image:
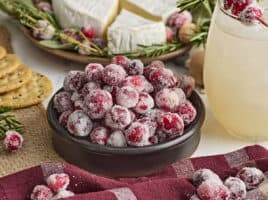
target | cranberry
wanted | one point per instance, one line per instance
(133, 116)
(79, 124)
(162, 78)
(113, 90)
(137, 82)
(154, 65)
(187, 112)
(122, 61)
(88, 31)
(135, 67)
(211, 190)
(88, 87)
(153, 113)
(171, 123)
(251, 176)
(187, 84)
(41, 192)
(240, 5)
(74, 81)
(250, 15)
(114, 74)
(118, 117)
(99, 135)
(62, 102)
(152, 124)
(58, 182)
(117, 139)
(127, 97)
(94, 72)
(63, 119)
(97, 103)
(76, 96)
(148, 87)
(144, 104)
(237, 188)
(170, 34)
(12, 141)
(138, 134)
(168, 99)
(63, 194)
(177, 20)
(202, 175)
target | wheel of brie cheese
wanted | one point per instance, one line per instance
(126, 24)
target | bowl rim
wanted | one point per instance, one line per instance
(189, 132)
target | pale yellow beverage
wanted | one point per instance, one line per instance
(236, 76)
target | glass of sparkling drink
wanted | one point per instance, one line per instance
(236, 68)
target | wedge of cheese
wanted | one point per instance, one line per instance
(156, 10)
(130, 30)
(82, 13)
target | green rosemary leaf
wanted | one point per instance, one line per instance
(54, 44)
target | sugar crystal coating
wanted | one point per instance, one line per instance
(114, 74)
(122, 61)
(135, 67)
(88, 87)
(127, 97)
(117, 139)
(137, 82)
(187, 112)
(12, 141)
(63, 119)
(153, 113)
(211, 190)
(138, 135)
(99, 135)
(145, 103)
(41, 192)
(74, 81)
(93, 72)
(236, 187)
(76, 96)
(62, 102)
(154, 65)
(58, 182)
(162, 78)
(152, 124)
(79, 124)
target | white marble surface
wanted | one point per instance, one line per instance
(214, 138)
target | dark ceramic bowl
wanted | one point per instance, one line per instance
(128, 161)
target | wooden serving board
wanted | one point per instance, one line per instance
(92, 59)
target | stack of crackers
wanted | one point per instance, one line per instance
(19, 86)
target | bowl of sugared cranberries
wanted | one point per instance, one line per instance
(125, 119)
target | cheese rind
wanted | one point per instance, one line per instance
(129, 31)
(82, 13)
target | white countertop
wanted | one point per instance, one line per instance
(214, 140)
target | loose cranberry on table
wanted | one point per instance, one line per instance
(79, 124)
(117, 139)
(113, 75)
(127, 97)
(138, 135)
(12, 141)
(236, 187)
(63, 102)
(41, 192)
(145, 103)
(58, 182)
(203, 175)
(74, 81)
(93, 72)
(212, 190)
(99, 135)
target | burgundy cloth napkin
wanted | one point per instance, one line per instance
(171, 183)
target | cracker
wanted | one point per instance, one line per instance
(3, 52)
(9, 64)
(33, 92)
(15, 79)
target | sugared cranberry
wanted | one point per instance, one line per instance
(152, 124)
(250, 15)
(117, 139)
(154, 139)
(203, 175)
(12, 141)
(112, 90)
(170, 34)
(153, 113)
(144, 104)
(74, 81)
(114, 74)
(177, 20)
(135, 67)
(99, 135)
(240, 5)
(118, 117)
(251, 176)
(62, 102)
(97, 103)
(154, 65)
(237, 188)
(187, 112)
(88, 87)
(133, 116)
(195, 197)
(79, 124)
(41, 192)
(162, 78)
(122, 61)
(211, 190)
(93, 72)
(162, 136)
(127, 97)
(88, 31)
(171, 123)
(187, 84)
(137, 82)
(58, 182)
(63, 119)
(168, 99)
(138, 134)
(76, 96)
(63, 194)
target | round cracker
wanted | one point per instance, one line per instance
(8, 64)
(15, 79)
(31, 93)
(3, 52)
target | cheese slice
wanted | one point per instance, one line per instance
(156, 10)
(130, 30)
(82, 13)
